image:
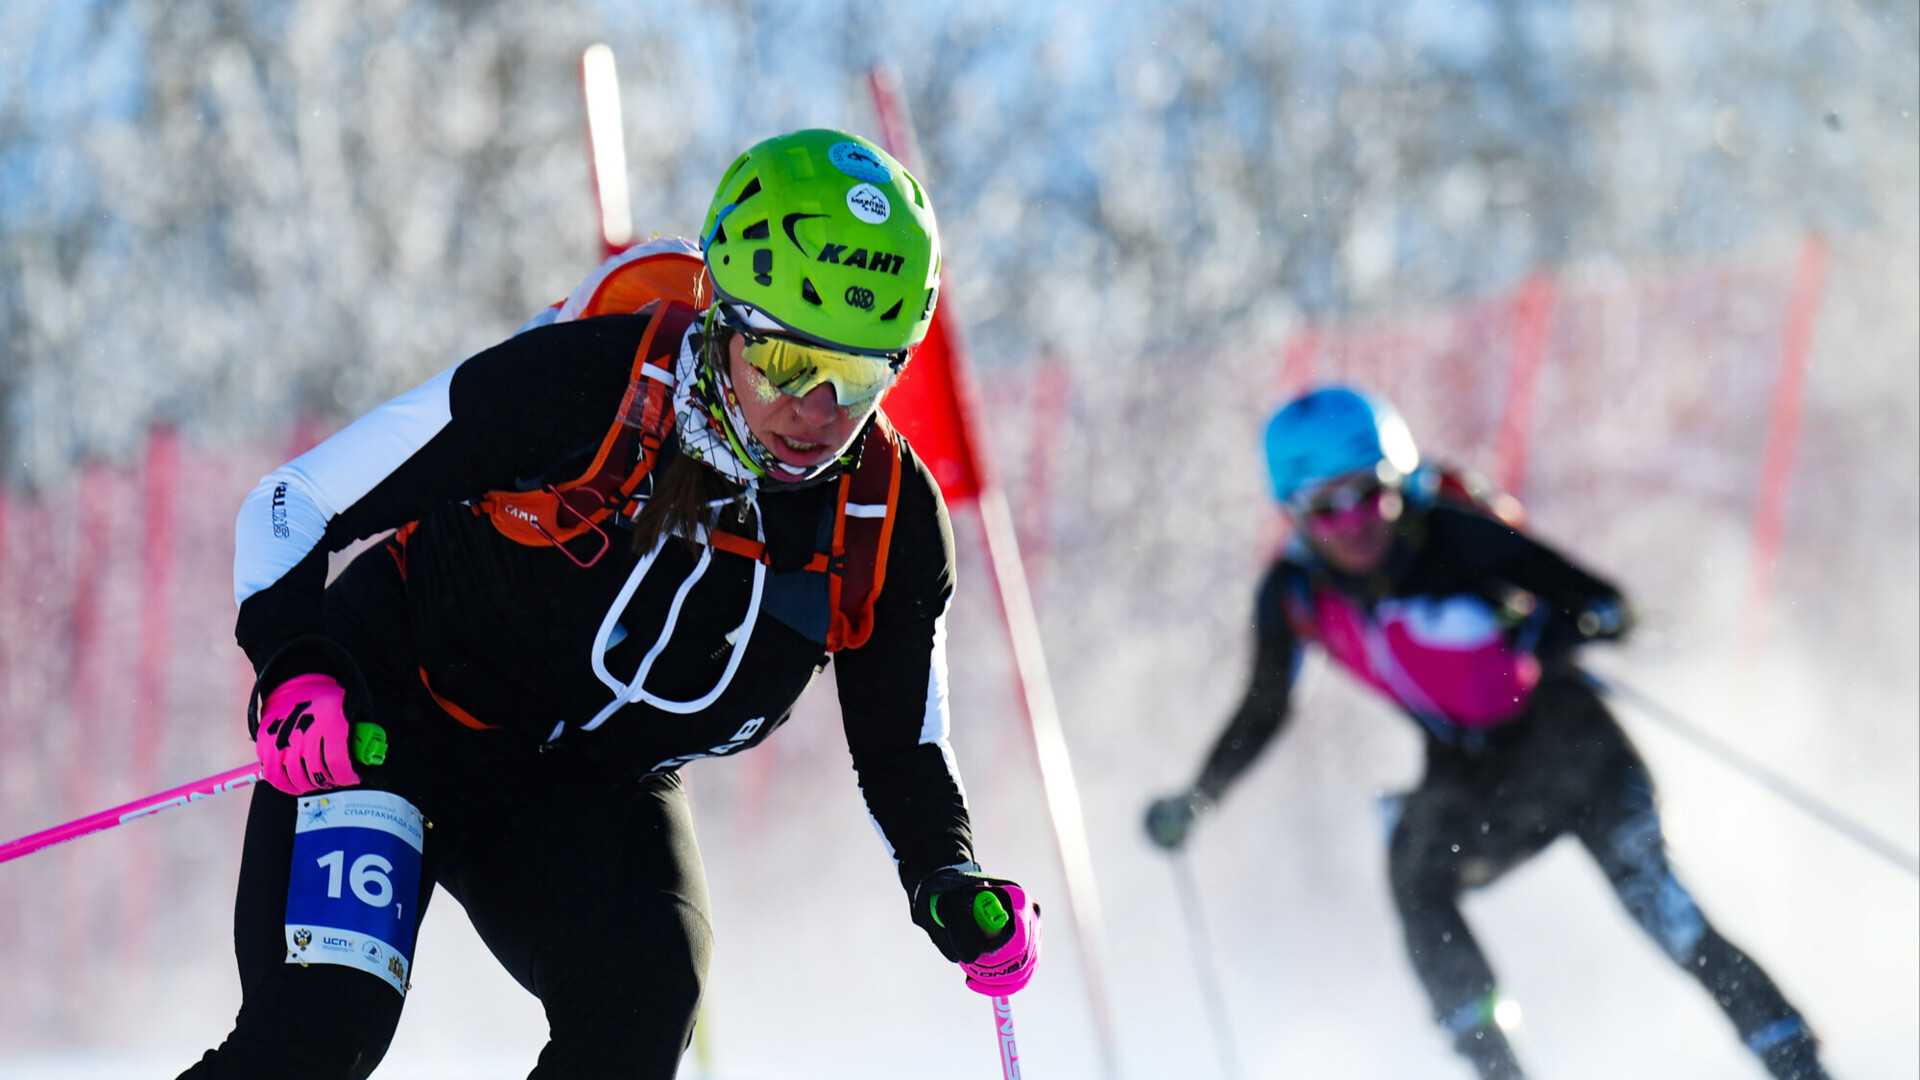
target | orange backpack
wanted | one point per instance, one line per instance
(670, 276)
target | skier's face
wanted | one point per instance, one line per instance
(1350, 521)
(804, 432)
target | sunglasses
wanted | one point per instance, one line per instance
(796, 368)
(1338, 498)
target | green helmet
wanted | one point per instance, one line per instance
(829, 236)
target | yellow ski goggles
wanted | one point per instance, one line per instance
(796, 367)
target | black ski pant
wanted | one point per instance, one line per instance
(1565, 767)
(589, 891)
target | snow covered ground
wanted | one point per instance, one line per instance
(1292, 880)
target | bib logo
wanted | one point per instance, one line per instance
(869, 204)
(302, 938)
(280, 529)
(398, 969)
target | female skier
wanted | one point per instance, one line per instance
(622, 542)
(1467, 624)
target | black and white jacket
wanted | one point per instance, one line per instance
(524, 639)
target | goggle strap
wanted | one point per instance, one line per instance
(733, 318)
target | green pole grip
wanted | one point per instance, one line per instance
(369, 744)
(988, 913)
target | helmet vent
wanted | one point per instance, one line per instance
(763, 266)
(919, 197)
(748, 192)
(755, 231)
(807, 292)
(893, 312)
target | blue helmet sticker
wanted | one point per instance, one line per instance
(859, 162)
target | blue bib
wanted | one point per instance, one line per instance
(354, 889)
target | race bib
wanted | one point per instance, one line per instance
(353, 891)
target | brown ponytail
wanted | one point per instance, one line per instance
(682, 490)
(682, 487)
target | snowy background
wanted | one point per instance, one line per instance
(227, 227)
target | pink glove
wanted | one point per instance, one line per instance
(304, 740)
(1008, 967)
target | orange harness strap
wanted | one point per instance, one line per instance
(862, 533)
(558, 513)
(466, 718)
(734, 544)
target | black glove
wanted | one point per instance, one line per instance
(1554, 639)
(943, 907)
(1604, 620)
(1170, 818)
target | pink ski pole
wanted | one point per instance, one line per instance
(369, 748)
(1003, 1031)
(206, 788)
(990, 916)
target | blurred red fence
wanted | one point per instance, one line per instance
(118, 675)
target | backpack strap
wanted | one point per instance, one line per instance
(869, 498)
(856, 531)
(396, 546)
(735, 544)
(557, 514)
(466, 719)
(1444, 482)
(1293, 596)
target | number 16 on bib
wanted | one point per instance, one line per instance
(352, 893)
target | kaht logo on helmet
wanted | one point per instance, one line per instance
(880, 262)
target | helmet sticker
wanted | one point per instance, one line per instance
(869, 204)
(858, 162)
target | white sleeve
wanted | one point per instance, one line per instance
(935, 725)
(285, 516)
